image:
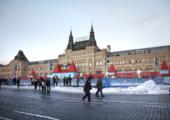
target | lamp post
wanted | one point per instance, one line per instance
(49, 68)
(106, 61)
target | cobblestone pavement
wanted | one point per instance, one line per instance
(20, 104)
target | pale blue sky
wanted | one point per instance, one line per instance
(41, 27)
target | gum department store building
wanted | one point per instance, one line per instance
(89, 58)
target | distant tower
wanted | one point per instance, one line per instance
(70, 42)
(108, 48)
(19, 65)
(92, 41)
(20, 56)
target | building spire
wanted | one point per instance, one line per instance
(92, 40)
(92, 31)
(71, 35)
(70, 42)
(71, 31)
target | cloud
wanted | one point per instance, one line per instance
(150, 20)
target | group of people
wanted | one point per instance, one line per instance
(87, 88)
(45, 85)
(55, 80)
(67, 81)
(9, 81)
(42, 83)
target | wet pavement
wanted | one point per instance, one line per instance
(22, 104)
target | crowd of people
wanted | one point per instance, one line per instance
(9, 81)
(44, 84)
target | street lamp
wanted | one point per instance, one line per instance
(106, 61)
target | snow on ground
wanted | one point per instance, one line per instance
(148, 87)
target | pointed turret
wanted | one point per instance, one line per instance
(70, 42)
(92, 40)
(20, 56)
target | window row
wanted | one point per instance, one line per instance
(80, 55)
(88, 63)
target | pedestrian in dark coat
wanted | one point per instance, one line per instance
(77, 81)
(69, 80)
(18, 82)
(57, 80)
(35, 83)
(40, 83)
(0, 82)
(64, 81)
(54, 81)
(99, 87)
(48, 85)
(87, 88)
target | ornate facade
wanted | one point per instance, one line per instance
(85, 54)
(89, 58)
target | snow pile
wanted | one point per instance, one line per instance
(148, 87)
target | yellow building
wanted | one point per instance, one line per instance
(89, 58)
(86, 55)
(21, 67)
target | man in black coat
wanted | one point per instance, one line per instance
(48, 84)
(0, 82)
(87, 88)
(18, 82)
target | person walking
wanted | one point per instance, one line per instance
(64, 81)
(40, 83)
(69, 80)
(54, 81)
(43, 86)
(77, 81)
(35, 83)
(99, 87)
(57, 80)
(18, 82)
(87, 88)
(0, 82)
(48, 84)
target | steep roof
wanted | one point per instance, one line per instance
(80, 45)
(20, 56)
